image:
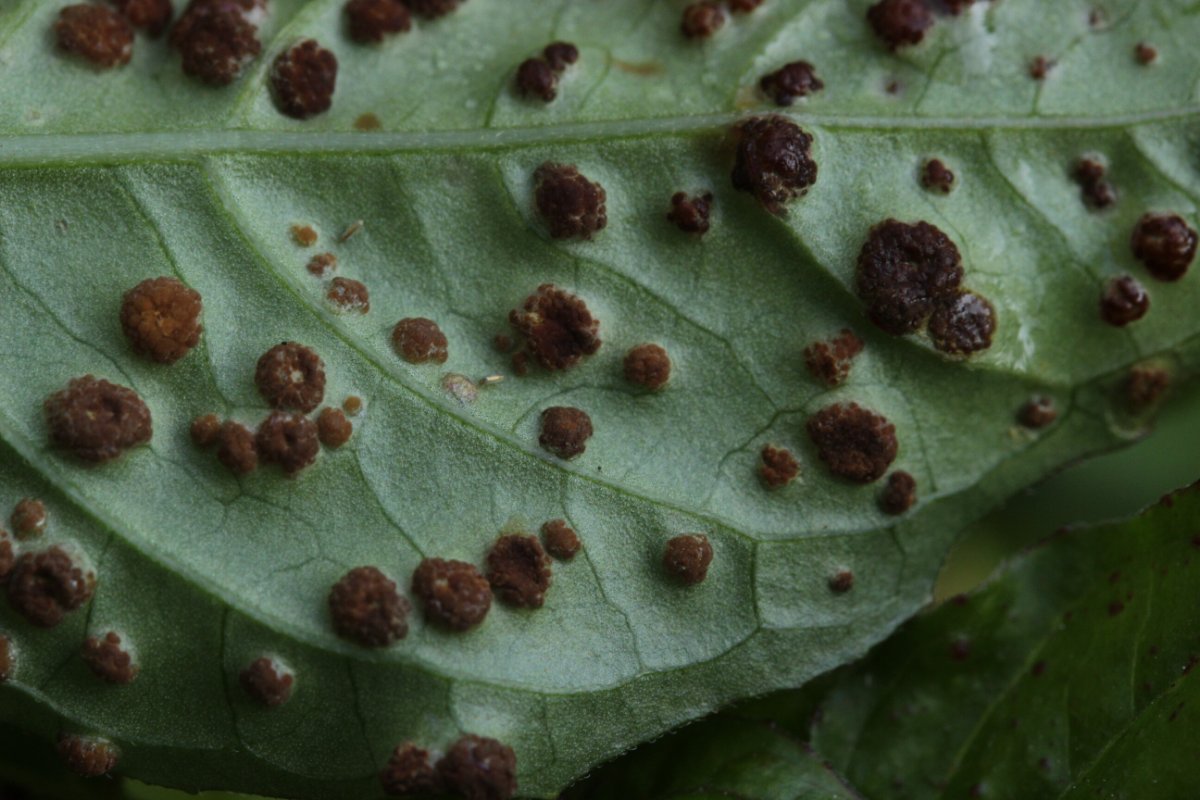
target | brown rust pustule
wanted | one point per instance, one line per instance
(558, 326)
(701, 20)
(571, 205)
(29, 518)
(97, 421)
(856, 444)
(479, 768)
(290, 440)
(109, 660)
(518, 570)
(565, 431)
(303, 80)
(773, 161)
(900, 23)
(237, 449)
(778, 468)
(1165, 244)
(408, 772)
(899, 494)
(161, 319)
(560, 539)
(419, 341)
(432, 9)
(536, 78)
(904, 271)
(367, 610)
(454, 594)
(267, 682)
(150, 16)
(45, 586)
(691, 214)
(687, 557)
(95, 33)
(1038, 412)
(1123, 301)
(333, 428)
(649, 366)
(216, 41)
(290, 375)
(791, 82)
(937, 177)
(372, 21)
(830, 361)
(88, 756)
(963, 325)
(346, 294)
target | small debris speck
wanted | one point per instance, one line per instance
(95, 33)
(1039, 412)
(691, 214)
(304, 235)
(571, 205)
(518, 570)
(565, 431)
(45, 586)
(899, 23)
(773, 161)
(936, 176)
(841, 582)
(96, 420)
(559, 328)
(289, 440)
(236, 448)
(561, 540)
(1124, 301)
(454, 594)
(367, 609)
(687, 557)
(88, 756)
(701, 20)
(367, 122)
(779, 467)
(791, 82)
(829, 362)
(899, 494)
(348, 295)
(204, 430)
(408, 772)
(29, 518)
(479, 768)
(371, 21)
(290, 375)
(161, 319)
(649, 366)
(109, 660)
(418, 341)
(1165, 244)
(351, 230)
(856, 444)
(267, 682)
(303, 80)
(333, 428)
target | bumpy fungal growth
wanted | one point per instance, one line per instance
(690, 214)
(904, 271)
(559, 328)
(649, 366)
(333, 429)
(963, 325)
(95, 33)
(454, 594)
(841, 582)
(45, 586)
(6, 659)
(367, 610)
(560, 539)
(237, 449)
(371, 21)
(216, 40)
(303, 79)
(560, 55)
(1146, 54)
(290, 375)
(408, 772)
(267, 682)
(519, 570)
(1145, 387)
(29, 518)
(304, 235)
(151, 16)
(1039, 412)
(830, 361)
(899, 494)
(773, 161)
(205, 429)
(348, 295)
(855, 444)
(936, 176)
(1096, 191)
(96, 420)
(432, 9)
(571, 205)
(536, 78)
(1124, 301)
(701, 20)
(565, 431)
(900, 23)
(790, 82)
(161, 319)
(109, 660)
(687, 557)
(1165, 244)
(479, 768)
(418, 341)
(779, 467)
(322, 264)
(289, 440)
(88, 756)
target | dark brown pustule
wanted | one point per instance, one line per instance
(937, 177)
(109, 660)
(204, 430)
(778, 468)
(267, 682)
(8, 556)
(1145, 54)
(303, 80)
(237, 449)
(904, 271)
(479, 768)
(420, 341)
(29, 518)
(372, 21)
(559, 329)
(791, 82)
(560, 55)
(97, 421)
(900, 23)
(518, 570)
(290, 375)
(95, 33)
(1097, 193)
(47, 585)
(899, 494)
(1145, 386)
(571, 205)
(409, 772)
(289, 440)
(322, 264)
(454, 594)
(433, 9)
(855, 444)
(1040, 67)
(1123, 301)
(649, 366)
(1039, 412)
(536, 78)
(691, 214)
(687, 557)
(701, 20)
(830, 361)
(565, 431)
(744, 6)
(7, 659)
(347, 294)
(1165, 244)
(773, 161)
(88, 756)
(963, 325)
(333, 429)
(161, 319)
(367, 610)
(216, 41)
(560, 539)
(841, 582)
(149, 16)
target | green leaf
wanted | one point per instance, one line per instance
(110, 178)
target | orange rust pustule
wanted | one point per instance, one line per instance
(409, 772)
(95, 33)
(6, 659)
(559, 329)
(151, 16)
(88, 756)
(841, 582)
(778, 468)
(367, 609)
(963, 325)
(519, 570)
(215, 41)
(479, 768)
(829, 362)
(856, 444)
(1123, 301)
(333, 428)
(108, 660)
(1145, 386)
(791, 82)
(304, 235)
(290, 375)
(29, 518)
(536, 78)
(904, 271)
(205, 429)
(45, 586)
(347, 294)
(97, 421)
(372, 21)
(454, 594)
(303, 80)
(419, 341)
(266, 682)
(691, 214)
(560, 539)
(571, 205)
(560, 55)
(161, 319)
(432, 9)
(773, 161)
(322, 264)
(687, 557)
(899, 494)
(1038, 412)
(237, 449)
(900, 23)
(1165, 244)
(702, 20)
(289, 440)
(648, 366)
(1097, 193)
(565, 431)
(937, 177)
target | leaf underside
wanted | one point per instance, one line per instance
(108, 179)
